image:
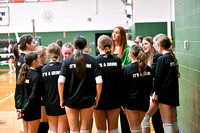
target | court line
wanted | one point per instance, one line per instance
(6, 97)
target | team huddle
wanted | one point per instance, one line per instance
(65, 94)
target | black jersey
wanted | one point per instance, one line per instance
(41, 84)
(80, 93)
(50, 74)
(166, 81)
(17, 90)
(19, 64)
(30, 96)
(111, 74)
(153, 66)
(138, 88)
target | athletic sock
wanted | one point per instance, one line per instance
(101, 131)
(52, 131)
(113, 131)
(168, 127)
(84, 131)
(135, 131)
(74, 131)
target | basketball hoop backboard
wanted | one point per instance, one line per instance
(4, 16)
(4, 1)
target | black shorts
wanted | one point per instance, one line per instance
(11, 57)
(53, 110)
(32, 116)
(137, 106)
(168, 98)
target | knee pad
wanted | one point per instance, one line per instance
(168, 127)
(84, 131)
(101, 131)
(175, 126)
(135, 131)
(113, 131)
(52, 131)
(145, 122)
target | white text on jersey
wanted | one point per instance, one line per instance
(108, 64)
(135, 75)
(50, 73)
(74, 66)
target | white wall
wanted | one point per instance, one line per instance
(153, 11)
(71, 15)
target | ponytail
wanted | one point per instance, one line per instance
(80, 62)
(29, 58)
(142, 62)
(54, 57)
(141, 57)
(108, 51)
(79, 59)
(22, 73)
(176, 62)
(16, 54)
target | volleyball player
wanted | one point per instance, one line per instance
(109, 105)
(138, 84)
(43, 127)
(11, 59)
(57, 117)
(25, 44)
(153, 111)
(166, 85)
(67, 51)
(30, 96)
(83, 82)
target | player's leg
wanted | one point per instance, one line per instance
(112, 116)
(63, 125)
(100, 120)
(73, 119)
(85, 119)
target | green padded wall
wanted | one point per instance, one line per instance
(148, 29)
(49, 37)
(187, 27)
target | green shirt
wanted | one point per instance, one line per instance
(125, 60)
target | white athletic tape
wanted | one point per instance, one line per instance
(145, 122)
(98, 79)
(61, 79)
(22, 128)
